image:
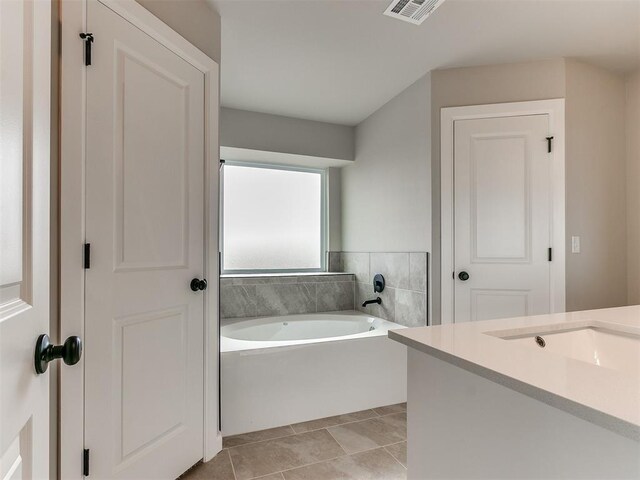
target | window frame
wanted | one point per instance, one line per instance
(323, 218)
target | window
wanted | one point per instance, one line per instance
(272, 218)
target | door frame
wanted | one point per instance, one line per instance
(448, 116)
(72, 214)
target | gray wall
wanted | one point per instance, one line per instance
(633, 187)
(386, 199)
(275, 133)
(195, 20)
(334, 209)
(595, 187)
(476, 86)
(263, 132)
(390, 196)
(595, 176)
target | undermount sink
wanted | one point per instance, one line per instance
(598, 343)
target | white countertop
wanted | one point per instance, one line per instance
(604, 396)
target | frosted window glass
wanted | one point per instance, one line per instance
(272, 219)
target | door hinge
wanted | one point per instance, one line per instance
(88, 40)
(549, 140)
(87, 255)
(550, 254)
(85, 462)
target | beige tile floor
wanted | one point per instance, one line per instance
(366, 445)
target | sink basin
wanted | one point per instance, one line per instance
(598, 343)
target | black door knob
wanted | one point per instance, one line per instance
(197, 284)
(464, 276)
(70, 352)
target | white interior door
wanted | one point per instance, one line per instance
(502, 210)
(25, 60)
(145, 224)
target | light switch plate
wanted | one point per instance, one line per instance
(575, 244)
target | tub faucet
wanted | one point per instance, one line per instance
(378, 300)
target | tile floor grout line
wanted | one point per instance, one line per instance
(367, 449)
(393, 456)
(302, 466)
(335, 458)
(233, 468)
(266, 439)
(345, 454)
(377, 447)
(384, 447)
(336, 440)
(373, 448)
(395, 443)
(377, 415)
(340, 424)
(392, 413)
(307, 465)
(358, 421)
(293, 433)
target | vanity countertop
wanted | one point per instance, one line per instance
(604, 395)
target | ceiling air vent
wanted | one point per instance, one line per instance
(412, 11)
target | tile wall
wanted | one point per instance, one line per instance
(404, 299)
(261, 295)
(345, 287)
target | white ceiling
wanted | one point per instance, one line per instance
(339, 61)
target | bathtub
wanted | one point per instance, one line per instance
(281, 370)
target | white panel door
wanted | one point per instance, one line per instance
(145, 223)
(502, 217)
(25, 61)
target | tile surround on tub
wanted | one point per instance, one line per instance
(265, 295)
(418, 271)
(404, 299)
(411, 308)
(393, 266)
(358, 264)
(285, 299)
(237, 300)
(334, 296)
(386, 310)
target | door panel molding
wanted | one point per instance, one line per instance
(478, 295)
(133, 334)
(131, 254)
(476, 170)
(554, 108)
(72, 215)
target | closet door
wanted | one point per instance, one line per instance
(502, 217)
(144, 324)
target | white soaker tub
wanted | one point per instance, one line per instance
(282, 370)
